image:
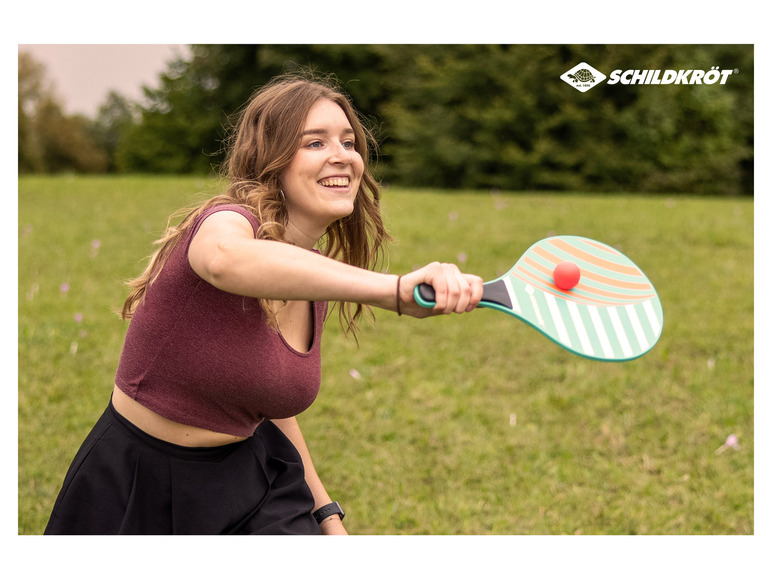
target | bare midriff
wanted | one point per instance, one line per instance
(159, 427)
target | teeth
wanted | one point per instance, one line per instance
(334, 182)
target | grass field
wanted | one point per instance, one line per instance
(456, 425)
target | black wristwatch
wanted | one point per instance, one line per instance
(327, 510)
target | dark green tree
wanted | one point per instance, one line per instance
(495, 116)
(185, 121)
(114, 119)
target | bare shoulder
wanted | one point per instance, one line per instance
(226, 222)
(217, 230)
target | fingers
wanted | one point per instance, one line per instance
(476, 284)
(455, 292)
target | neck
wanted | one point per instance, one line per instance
(302, 237)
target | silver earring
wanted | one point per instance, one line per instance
(283, 197)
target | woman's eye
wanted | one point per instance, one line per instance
(351, 145)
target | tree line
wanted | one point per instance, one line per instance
(449, 116)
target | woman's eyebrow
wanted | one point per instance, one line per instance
(324, 131)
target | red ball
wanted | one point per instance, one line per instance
(566, 275)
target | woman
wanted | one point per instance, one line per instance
(222, 351)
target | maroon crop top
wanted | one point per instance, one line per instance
(204, 357)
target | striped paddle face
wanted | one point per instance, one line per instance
(612, 314)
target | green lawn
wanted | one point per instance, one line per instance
(457, 425)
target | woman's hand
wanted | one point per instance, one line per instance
(455, 292)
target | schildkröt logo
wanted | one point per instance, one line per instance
(583, 77)
(712, 76)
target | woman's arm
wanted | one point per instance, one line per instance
(332, 525)
(225, 253)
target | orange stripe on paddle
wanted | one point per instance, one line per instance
(592, 276)
(591, 295)
(589, 258)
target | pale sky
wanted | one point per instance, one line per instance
(83, 74)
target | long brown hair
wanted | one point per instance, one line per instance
(260, 147)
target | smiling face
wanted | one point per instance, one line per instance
(321, 183)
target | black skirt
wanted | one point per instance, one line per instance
(124, 481)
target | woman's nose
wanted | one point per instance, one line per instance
(341, 154)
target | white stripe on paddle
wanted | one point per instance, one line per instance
(637, 327)
(579, 325)
(620, 331)
(512, 296)
(600, 330)
(652, 317)
(557, 319)
(529, 290)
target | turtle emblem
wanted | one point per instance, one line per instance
(582, 75)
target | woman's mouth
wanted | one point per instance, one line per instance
(334, 182)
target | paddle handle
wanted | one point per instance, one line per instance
(424, 295)
(494, 294)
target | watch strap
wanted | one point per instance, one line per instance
(327, 510)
